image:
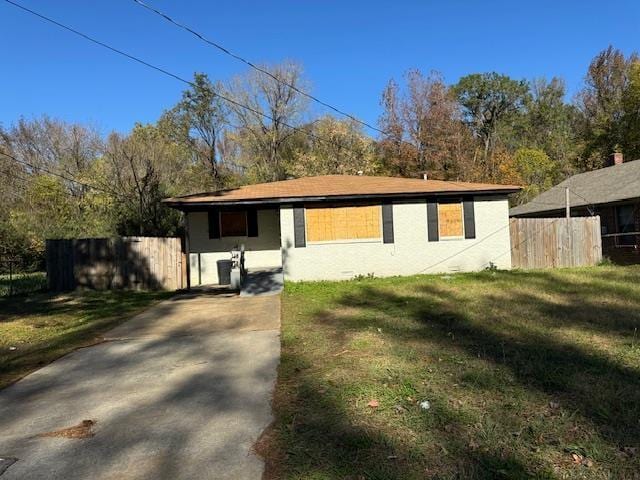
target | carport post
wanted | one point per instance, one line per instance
(185, 216)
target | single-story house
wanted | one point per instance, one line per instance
(612, 192)
(341, 226)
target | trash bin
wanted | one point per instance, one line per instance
(224, 271)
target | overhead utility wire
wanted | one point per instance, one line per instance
(256, 67)
(223, 97)
(498, 231)
(271, 75)
(168, 73)
(526, 239)
(64, 177)
(179, 78)
(591, 212)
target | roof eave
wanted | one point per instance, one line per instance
(180, 204)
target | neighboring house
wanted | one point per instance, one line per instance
(612, 192)
(340, 226)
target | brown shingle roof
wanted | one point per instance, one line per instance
(327, 187)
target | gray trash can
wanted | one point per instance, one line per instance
(224, 271)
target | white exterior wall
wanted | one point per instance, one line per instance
(262, 251)
(410, 253)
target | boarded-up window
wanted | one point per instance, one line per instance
(343, 223)
(233, 224)
(450, 219)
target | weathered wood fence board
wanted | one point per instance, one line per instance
(555, 242)
(132, 263)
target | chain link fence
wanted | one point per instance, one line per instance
(16, 278)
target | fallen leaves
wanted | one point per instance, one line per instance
(399, 409)
(581, 460)
(629, 452)
(373, 404)
(83, 430)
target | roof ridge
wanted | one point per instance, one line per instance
(600, 186)
(324, 186)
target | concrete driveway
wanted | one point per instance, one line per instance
(180, 392)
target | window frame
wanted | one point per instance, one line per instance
(246, 223)
(378, 239)
(619, 238)
(459, 201)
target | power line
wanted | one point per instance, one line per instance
(184, 80)
(591, 211)
(24, 184)
(464, 249)
(499, 230)
(226, 51)
(179, 78)
(525, 240)
(168, 73)
(68, 179)
(256, 67)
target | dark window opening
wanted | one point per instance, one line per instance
(626, 223)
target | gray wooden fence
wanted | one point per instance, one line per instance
(131, 263)
(555, 242)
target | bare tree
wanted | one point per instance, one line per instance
(423, 125)
(273, 108)
(64, 148)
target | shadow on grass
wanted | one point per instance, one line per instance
(43, 327)
(510, 343)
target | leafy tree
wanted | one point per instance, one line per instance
(601, 103)
(549, 124)
(424, 128)
(47, 210)
(198, 121)
(336, 147)
(140, 167)
(531, 168)
(488, 101)
(631, 117)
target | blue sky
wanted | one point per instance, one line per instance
(349, 49)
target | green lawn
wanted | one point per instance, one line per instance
(21, 283)
(527, 374)
(38, 328)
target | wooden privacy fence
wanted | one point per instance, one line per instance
(131, 263)
(555, 242)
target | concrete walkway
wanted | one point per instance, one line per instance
(180, 392)
(261, 282)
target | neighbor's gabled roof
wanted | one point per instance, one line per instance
(606, 185)
(335, 187)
